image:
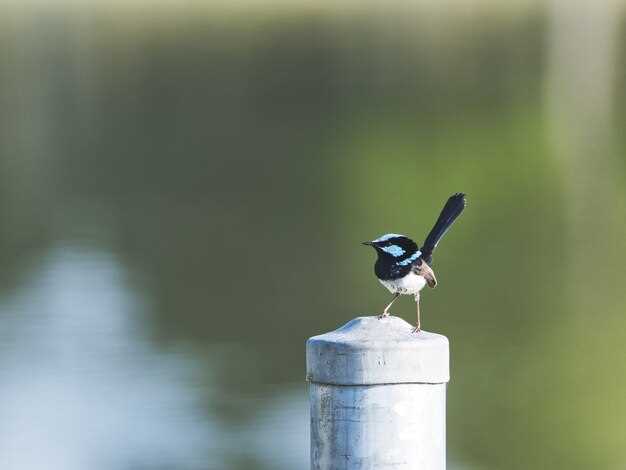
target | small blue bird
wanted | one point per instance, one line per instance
(402, 267)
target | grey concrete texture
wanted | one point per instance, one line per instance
(370, 351)
(378, 427)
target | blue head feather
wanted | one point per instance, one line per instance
(384, 238)
(410, 259)
(393, 250)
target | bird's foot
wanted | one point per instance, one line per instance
(383, 315)
(417, 329)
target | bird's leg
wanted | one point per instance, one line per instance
(386, 311)
(418, 327)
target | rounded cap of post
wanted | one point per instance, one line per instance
(371, 351)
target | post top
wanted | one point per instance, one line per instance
(369, 351)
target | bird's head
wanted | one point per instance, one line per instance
(392, 247)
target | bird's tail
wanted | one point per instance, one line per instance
(449, 213)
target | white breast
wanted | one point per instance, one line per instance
(410, 284)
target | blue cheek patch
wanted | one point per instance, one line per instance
(393, 250)
(410, 259)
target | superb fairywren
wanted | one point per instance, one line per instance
(402, 267)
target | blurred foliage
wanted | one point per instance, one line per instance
(234, 165)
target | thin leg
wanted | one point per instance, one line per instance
(418, 327)
(386, 311)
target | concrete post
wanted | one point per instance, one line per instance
(378, 397)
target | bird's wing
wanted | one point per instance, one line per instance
(422, 268)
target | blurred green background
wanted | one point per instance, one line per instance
(183, 190)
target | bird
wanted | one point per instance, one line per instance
(404, 268)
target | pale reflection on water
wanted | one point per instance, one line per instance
(183, 193)
(81, 387)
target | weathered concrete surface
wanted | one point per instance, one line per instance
(378, 396)
(373, 427)
(367, 350)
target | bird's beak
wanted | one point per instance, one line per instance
(367, 243)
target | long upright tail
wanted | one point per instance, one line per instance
(449, 213)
